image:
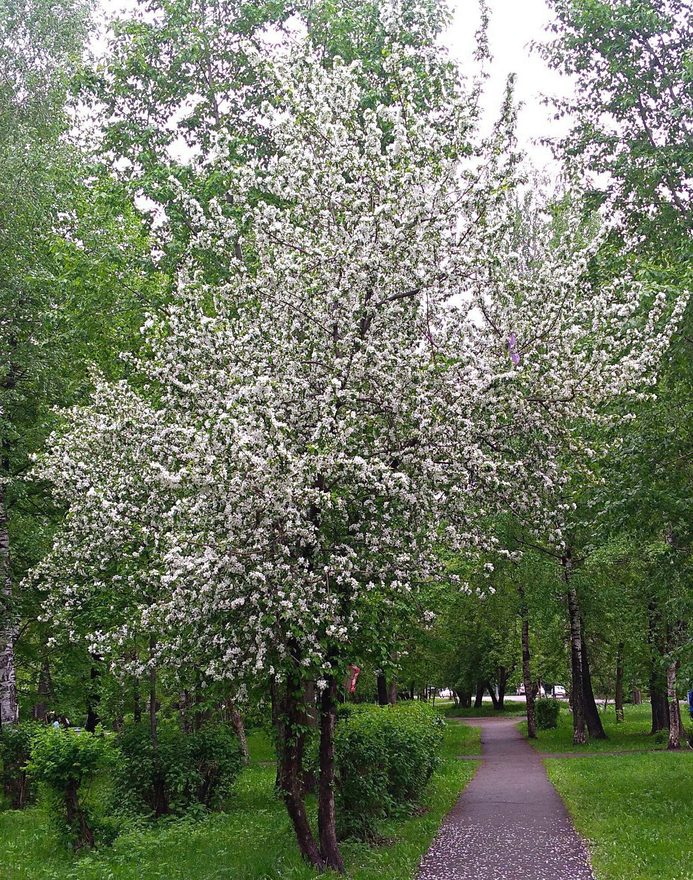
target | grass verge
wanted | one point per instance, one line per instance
(635, 810)
(632, 734)
(252, 841)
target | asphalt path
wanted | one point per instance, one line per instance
(509, 823)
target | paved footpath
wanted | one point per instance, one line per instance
(509, 823)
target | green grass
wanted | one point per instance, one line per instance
(633, 734)
(461, 739)
(635, 810)
(252, 841)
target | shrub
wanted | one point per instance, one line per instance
(65, 761)
(186, 771)
(384, 759)
(546, 712)
(15, 751)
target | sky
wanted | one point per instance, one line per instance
(513, 26)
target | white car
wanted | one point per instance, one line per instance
(559, 691)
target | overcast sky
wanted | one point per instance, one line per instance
(514, 24)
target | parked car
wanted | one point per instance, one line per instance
(559, 691)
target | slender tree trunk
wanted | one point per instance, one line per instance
(45, 692)
(657, 683)
(153, 732)
(479, 698)
(327, 821)
(674, 708)
(502, 685)
(92, 699)
(618, 692)
(592, 717)
(239, 729)
(77, 819)
(579, 735)
(9, 709)
(526, 665)
(382, 689)
(492, 693)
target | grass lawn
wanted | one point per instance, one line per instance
(252, 841)
(631, 734)
(635, 810)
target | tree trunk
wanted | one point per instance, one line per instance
(592, 717)
(327, 821)
(526, 666)
(92, 700)
(657, 683)
(502, 685)
(77, 819)
(579, 735)
(674, 708)
(479, 698)
(9, 709)
(45, 692)
(618, 691)
(289, 718)
(382, 689)
(239, 729)
(392, 692)
(492, 693)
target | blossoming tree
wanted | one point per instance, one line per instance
(300, 441)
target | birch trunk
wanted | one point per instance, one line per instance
(9, 710)
(674, 708)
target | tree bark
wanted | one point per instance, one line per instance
(327, 820)
(392, 692)
(9, 708)
(382, 689)
(492, 693)
(674, 709)
(44, 691)
(92, 700)
(479, 698)
(77, 819)
(618, 691)
(526, 666)
(657, 683)
(239, 729)
(592, 716)
(289, 719)
(502, 686)
(579, 735)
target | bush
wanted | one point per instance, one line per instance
(546, 712)
(384, 759)
(15, 751)
(65, 761)
(186, 771)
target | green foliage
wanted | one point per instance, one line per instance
(66, 761)
(385, 756)
(15, 751)
(185, 772)
(546, 713)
